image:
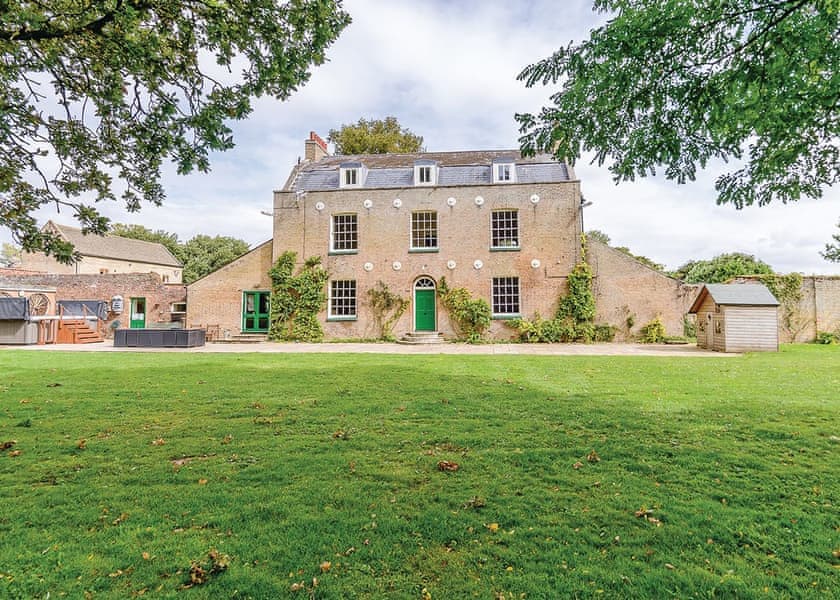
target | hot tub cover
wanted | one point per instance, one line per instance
(14, 309)
(73, 308)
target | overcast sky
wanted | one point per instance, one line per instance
(447, 71)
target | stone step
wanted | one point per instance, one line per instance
(422, 337)
(244, 338)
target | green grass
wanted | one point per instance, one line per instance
(299, 459)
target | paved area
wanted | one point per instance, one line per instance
(678, 350)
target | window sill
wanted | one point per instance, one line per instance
(336, 319)
(506, 317)
(505, 249)
(422, 250)
(341, 252)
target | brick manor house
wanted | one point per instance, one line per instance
(505, 227)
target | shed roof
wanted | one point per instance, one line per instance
(397, 170)
(735, 294)
(112, 246)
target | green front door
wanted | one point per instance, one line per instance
(137, 308)
(255, 306)
(424, 310)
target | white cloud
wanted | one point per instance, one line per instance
(447, 71)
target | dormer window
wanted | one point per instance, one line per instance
(351, 174)
(425, 172)
(504, 170)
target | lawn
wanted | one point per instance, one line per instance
(301, 476)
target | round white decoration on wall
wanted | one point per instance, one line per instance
(319, 206)
(535, 264)
(397, 265)
(450, 264)
(367, 203)
(368, 267)
(450, 201)
(535, 199)
(479, 200)
(478, 264)
(397, 202)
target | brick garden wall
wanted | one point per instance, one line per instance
(819, 309)
(623, 287)
(159, 296)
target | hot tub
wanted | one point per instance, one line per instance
(158, 338)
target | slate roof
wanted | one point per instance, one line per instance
(397, 170)
(115, 247)
(735, 294)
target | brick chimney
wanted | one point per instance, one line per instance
(315, 148)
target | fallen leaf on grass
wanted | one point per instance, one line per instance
(227, 439)
(448, 465)
(325, 566)
(647, 515)
(670, 566)
(202, 482)
(577, 465)
(123, 517)
(158, 442)
(475, 502)
(146, 556)
(14, 453)
(493, 527)
(201, 572)
(425, 595)
(593, 457)
(7, 445)
(81, 444)
(53, 385)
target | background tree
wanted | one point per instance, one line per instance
(677, 85)
(204, 254)
(94, 96)
(9, 255)
(722, 268)
(832, 251)
(200, 256)
(600, 236)
(377, 136)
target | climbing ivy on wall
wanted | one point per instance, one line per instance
(387, 308)
(788, 291)
(472, 316)
(574, 320)
(296, 300)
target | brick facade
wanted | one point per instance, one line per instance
(216, 299)
(548, 233)
(159, 296)
(95, 265)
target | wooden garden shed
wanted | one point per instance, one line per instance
(736, 318)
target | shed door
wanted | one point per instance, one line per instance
(138, 313)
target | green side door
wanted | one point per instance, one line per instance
(137, 307)
(255, 308)
(424, 310)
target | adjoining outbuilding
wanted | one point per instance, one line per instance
(736, 318)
